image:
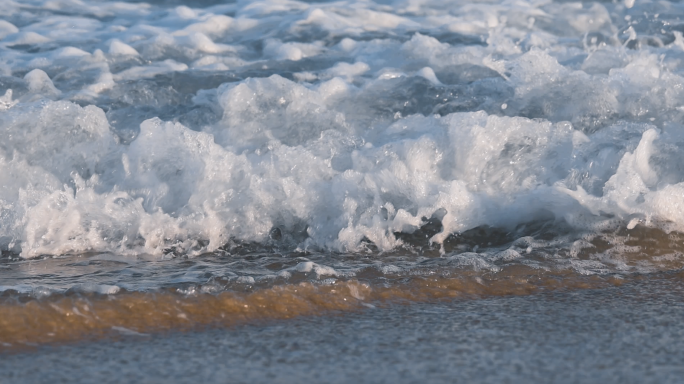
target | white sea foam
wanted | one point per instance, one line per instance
(135, 128)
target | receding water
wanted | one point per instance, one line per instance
(625, 334)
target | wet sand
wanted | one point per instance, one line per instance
(628, 334)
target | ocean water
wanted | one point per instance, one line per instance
(172, 168)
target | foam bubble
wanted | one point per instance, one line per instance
(7, 28)
(117, 47)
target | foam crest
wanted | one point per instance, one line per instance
(142, 128)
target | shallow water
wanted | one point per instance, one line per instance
(626, 334)
(171, 166)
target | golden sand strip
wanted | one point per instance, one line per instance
(71, 318)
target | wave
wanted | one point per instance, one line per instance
(133, 128)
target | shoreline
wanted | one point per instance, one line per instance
(610, 334)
